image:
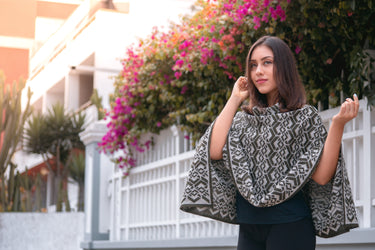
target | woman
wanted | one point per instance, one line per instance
(273, 163)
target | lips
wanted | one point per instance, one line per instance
(260, 81)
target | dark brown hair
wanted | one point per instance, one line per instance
(291, 91)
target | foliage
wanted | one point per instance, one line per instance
(331, 40)
(97, 101)
(24, 192)
(76, 166)
(184, 75)
(54, 136)
(11, 126)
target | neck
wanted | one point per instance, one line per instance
(271, 100)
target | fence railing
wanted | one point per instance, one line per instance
(145, 205)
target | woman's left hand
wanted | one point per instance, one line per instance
(348, 111)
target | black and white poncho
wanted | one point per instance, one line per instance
(269, 156)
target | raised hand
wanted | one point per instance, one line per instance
(348, 111)
(240, 89)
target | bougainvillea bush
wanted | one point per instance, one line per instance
(184, 74)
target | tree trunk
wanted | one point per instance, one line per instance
(81, 196)
(59, 189)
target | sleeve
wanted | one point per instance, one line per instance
(332, 206)
(209, 190)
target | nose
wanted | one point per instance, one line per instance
(259, 70)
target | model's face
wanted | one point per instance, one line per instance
(261, 71)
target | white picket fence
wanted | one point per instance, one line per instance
(145, 205)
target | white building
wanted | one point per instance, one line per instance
(72, 57)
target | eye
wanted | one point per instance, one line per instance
(267, 62)
(253, 66)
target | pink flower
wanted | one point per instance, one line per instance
(132, 162)
(266, 3)
(228, 7)
(177, 74)
(212, 29)
(179, 63)
(139, 149)
(265, 17)
(298, 49)
(147, 144)
(256, 21)
(273, 13)
(158, 124)
(183, 90)
(214, 40)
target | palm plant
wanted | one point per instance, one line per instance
(12, 119)
(76, 166)
(53, 136)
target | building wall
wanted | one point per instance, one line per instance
(14, 63)
(16, 37)
(19, 34)
(19, 16)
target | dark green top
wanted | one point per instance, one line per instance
(291, 210)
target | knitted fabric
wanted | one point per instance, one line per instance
(268, 157)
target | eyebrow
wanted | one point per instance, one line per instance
(262, 58)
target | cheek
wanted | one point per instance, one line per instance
(252, 75)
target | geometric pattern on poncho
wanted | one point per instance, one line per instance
(268, 157)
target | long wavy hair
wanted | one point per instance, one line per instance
(291, 92)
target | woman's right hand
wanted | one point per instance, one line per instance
(224, 120)
(240, 90)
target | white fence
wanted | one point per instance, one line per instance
(144, 207)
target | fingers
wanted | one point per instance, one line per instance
(355, 97)
(349, 109)
(352, 105)
(349, 106)
(242, 83)
(240, 89)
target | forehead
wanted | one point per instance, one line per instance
(261, 52)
